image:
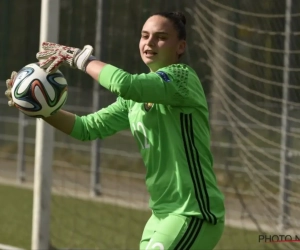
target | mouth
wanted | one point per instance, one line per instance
(149, 53)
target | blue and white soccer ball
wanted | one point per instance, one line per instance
(37, 93)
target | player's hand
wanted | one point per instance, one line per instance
(9, 84)
(54, 55)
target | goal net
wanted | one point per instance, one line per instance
(252, 52)
(250, 60)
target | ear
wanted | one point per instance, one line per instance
(181, 47)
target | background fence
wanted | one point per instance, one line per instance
(247, 57)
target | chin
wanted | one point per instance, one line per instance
(148, 62)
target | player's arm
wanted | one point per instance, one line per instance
(62, 120)
(173, 87)
(170, 86)
(101, 124)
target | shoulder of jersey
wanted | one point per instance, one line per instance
(178, 66)
(178, 69)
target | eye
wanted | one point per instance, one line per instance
(144, 36)
(162, 38)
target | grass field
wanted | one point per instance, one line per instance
(84, 224)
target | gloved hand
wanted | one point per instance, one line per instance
(9, 84)
(54, 55)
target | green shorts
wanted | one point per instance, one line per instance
(180, 232)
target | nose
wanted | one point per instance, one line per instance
(150, 41)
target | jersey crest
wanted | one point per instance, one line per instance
(148, 106)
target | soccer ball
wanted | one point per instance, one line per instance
(37, 93)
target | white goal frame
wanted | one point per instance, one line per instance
(49, 31)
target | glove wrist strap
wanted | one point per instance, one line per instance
(83, 57)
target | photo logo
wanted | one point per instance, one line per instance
(278, 238)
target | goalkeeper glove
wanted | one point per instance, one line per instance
(9, 84)
(54, 55)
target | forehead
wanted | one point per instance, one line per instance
(158, 24)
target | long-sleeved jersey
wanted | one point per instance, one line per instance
(167, 113)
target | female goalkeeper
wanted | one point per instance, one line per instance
(167, 113)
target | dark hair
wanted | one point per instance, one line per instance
(178, 19)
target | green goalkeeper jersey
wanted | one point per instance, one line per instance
(167, 114)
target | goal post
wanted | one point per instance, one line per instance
(285, 124)
(49, 28)
(96, 144)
